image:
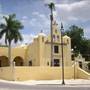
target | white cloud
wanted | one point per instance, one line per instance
(32, 21)
(48, 1)
(40, 21)
(75, 11)
(24, 17)
(2, 40)
(35, 13)
(71, 6)
(28, 38)
(1, 17)
(87, 32)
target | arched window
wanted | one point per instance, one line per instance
(4, 61)
(18, 61)
(54, 37)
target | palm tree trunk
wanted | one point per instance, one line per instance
(51, 37)
(9, 54)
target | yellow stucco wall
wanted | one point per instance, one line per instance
(18, 51)
(3, 51)
(6, 73)
(41, 73)
(83, 74)
(34, 73)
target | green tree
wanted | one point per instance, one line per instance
(85, 49)
(11, 30)
(77, 35)
(78, 42)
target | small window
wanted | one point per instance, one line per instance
(67, 41)
(30, 63)
(56, 62)
(73, 58)
(53, 37)
(57, 37)
(47, 63)
(56, 49)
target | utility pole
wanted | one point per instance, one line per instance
(63, 82)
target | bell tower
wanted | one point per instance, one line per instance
(56, 44)
(56, 33)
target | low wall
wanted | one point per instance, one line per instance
(34, 73)
(83, 74)
(6, 73)
(41, 73)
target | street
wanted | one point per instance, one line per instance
(9, 86)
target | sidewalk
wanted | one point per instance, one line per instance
(50, 82)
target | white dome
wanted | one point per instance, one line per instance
(66, 37)
(36, 36)
(42, 34)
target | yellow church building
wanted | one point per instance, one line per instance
(33, 61)
(38, 53)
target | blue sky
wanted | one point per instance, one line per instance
(34, 15)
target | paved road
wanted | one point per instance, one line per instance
(8, 86)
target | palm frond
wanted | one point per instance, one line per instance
(11, 29)
(12, 16)
(51, 6)
(18, 37)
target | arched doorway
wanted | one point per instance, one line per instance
(4, 61)
(18, 61)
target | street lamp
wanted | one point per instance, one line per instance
(73, 52)
(74, 62)
(73, 58)
(62, 29)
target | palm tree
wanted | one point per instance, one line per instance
(11, 31)
(51, 7)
